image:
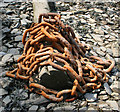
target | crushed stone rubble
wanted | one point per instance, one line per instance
(95, 24)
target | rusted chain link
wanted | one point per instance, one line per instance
(49, 41)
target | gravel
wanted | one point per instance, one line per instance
(95, 24)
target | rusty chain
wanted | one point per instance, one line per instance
(49, 41)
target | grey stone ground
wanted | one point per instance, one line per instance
(96, 24)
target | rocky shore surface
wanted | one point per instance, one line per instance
(96, 24)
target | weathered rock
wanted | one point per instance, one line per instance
(51, 105)
(83, 21)
(103, 105)
(6, 58)
(3, 91)
(22, 8)
(91, 109)
(103, 97)
(83, 109)
(107, 88)
(93, 53)
(18, 38)
(113, 104)
(24, 16)
(23, 22)
(14, 31)
(103, 49)
(92, 21)
(91, 97)
(2, 53)
(6, 30)
(102, 93)
(7, 99)
(109, 51)
(33, 108)
(99, 31)
(98, 10)
(4, 82)
(101, 53)
(115, 86)
(1, 109)
(20, 45)
(13, 51)
(97, 37)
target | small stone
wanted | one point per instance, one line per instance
(93, 53)
(50, 105)
(33, 108)
(91, 109)
(14, 31)
(7, 99)
(69, 108)
(115, 86)
(56, 109)
(42, 109)
(82, 109)
(119, 103)
(107, 88)
(92, 103)
(2, 64)
(9, 45)
(1, 109)
(102, 93)
(102, 105)
(104, 15)
(117, 74)
(101, 53)
(3, 92)
(23, 22)
(28, 21)
(98, 10)
(16, 26)
(18, 38)
(114, 78)
(110, 81)
(117, 60)
(91, 97)
(84, 103)
(109, 51)
(99, 31)
(24, 16)
(109, 57)
(104, 97)
(97, 37)
(92, 21)
(116, 52)
(22, 8)
(2, 53)
(115, 94)
(100, 43)
(83, 21)
(113, 104)
(6, 30)
(103, 49)
(6, 58)
(3, 48)
(13, 51)
(20, 45)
